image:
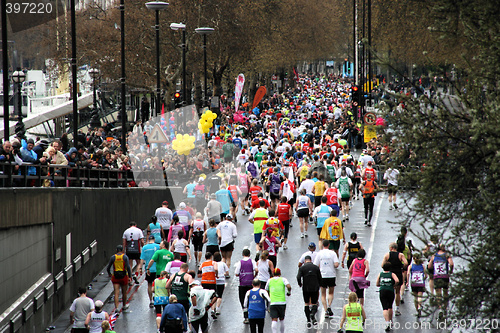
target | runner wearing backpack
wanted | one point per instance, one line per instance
(344, 185)
(274, 187)
(368, 188)
(333, 231)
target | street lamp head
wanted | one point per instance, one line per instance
(177, 26)
(18, 76)
(157, 5)
(94, 73)
(204, 31)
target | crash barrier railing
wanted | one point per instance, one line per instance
(53, 175)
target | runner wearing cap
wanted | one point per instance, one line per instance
(276, 287)
(201, 300)
(311, 252)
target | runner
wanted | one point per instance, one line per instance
(355, 315)
(358, 272)
(387, 281)
(369, 189)
(256, 302)
(344, 185)
(392, 175)
(276, 288)
(258, 217)
(309, 279)
(147, 253)
(196, 232)
(181, 246)
(222, 275)
(311, 252)
(351, 249)
(156, 230)
(398, 264)
(160, 296)
(208, 271)
(174, 318)
(95, 318)
(164, 216)
(321, 214)
(161, 257)
(417, 277)
(304, 209)
(270, 244)
(265, 268)
(184, 216)
(120, 276)
(332, 198)
(201, 299)
(179, 285)
(211, 238)
(285, 214)
(228, 233)
(133, 240)
(245, 270)
(327, 261)
(333, 231)
(443, 268)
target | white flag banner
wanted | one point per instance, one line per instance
(240, 81)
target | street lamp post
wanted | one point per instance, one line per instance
(95, 122)
(175, 27)
(5, 62)
(94, 74)
(204, 32)
(18, 77)
(157, 6)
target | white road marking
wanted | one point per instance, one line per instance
(374, 228)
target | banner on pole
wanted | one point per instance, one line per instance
(240, 81)
(261, 92)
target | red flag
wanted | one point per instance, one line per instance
(296, 74)
(261, 92)
(163, 110)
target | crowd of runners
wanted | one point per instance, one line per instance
(295, 159)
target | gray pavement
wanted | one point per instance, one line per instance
(140, 318)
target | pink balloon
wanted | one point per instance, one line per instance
(380, 122)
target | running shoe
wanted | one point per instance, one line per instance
(366, 221)
(214, 316)
(305, 234)
(217, 312)
(285, 247)
(125, 307)
(397, 313)
(136, 280)
(330, 312)
(313, 320)
(302, 235)
(390, 207)
(402, 301)
(246, 321)
(369, 224)
(395, 206)
(388, 328)
(151, 304)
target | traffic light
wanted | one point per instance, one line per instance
(177, 99)
(355, 95)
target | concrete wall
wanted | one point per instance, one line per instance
(54, 240)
